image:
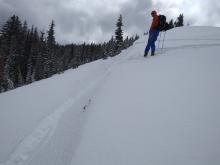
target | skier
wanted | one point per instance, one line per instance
(153, 34)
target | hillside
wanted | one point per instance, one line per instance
(125, 110)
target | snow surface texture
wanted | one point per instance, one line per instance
(125, 110)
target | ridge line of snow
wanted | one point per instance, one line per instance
(190, 46)
(193, 39)
(179, 39)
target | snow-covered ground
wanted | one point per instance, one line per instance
(126, 110)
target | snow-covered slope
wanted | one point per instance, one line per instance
(124, 110)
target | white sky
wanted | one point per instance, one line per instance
(94, 20)
(196, 12)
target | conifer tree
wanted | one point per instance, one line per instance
(179, 21)
(11, 49)
(111, 47)
(43, 67)
(171, 24)
(119, 33)
(29, 64)
(51, 36)
(51, 50)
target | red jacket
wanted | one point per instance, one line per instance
(154, 22)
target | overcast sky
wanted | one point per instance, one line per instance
(94, 20)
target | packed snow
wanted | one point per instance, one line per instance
(124, 110)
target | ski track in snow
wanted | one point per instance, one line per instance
(46, 128)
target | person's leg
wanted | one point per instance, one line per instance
(147, 48)
(149, 43)
(153, 47)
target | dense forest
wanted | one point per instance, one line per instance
(28, 55)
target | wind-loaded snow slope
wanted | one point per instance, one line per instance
(126, 110)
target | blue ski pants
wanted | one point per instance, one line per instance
(153, 34)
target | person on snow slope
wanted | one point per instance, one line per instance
(153, 34)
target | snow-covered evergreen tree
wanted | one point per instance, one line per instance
(180, 21)
(51, 49)
(11, 48)
(119, 33)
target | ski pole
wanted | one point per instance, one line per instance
(159, 42)
(163, 41)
